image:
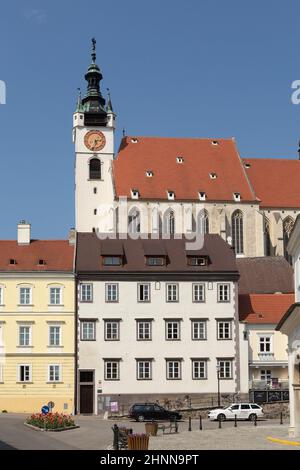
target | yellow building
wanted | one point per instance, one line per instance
(37, 313)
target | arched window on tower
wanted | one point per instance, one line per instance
(169, 222)
(288, 225)
(134, 221)
(95, 169)
(267, 238)
(202, 222)
(237, 232)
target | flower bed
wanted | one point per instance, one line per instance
(51, 422)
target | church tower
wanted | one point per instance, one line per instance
(93, 136)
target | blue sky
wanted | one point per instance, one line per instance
(207, 68)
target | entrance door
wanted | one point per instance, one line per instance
(86, 399)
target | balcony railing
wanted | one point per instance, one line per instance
(266, 356)
(268, 385)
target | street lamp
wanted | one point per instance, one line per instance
(218, 377)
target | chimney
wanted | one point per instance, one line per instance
(23, 233)
(72, 236)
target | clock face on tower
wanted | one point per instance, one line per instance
(94, 140)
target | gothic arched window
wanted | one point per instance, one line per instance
(95, 169)
(203, 222)
(169, 223)
(134, 221)
(237, 232)
(267, 237)
(288, 225)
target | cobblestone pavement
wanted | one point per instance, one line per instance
(95, 434)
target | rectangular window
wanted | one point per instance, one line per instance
(112, 330)
(144, 292)
(197, 261)
(198, 293)
(199, 369)
(225, 369)
(112, 370)
(172, 330)
(25, 295)
(1, 296)
(144, 371)
(144, 330)
(54, 335)
(172, 292)
(25, 373)
(266, 375)
(55, 296)
(111, 294)
(265, 344)
(198, 330)
(224, 329)
(86, 292)
(88, 331)
(223, 292)
(112, 260)
(24, 335)
(54, 374)
(155, 261)
(173, 369)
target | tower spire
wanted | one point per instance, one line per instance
(109, 107)
(93, 54)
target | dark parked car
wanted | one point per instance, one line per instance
(151, 411)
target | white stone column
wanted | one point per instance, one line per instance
(292, 431)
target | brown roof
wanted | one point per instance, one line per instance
(90, 248)
(264, 308)
(263, 275)
(185, 179)
(57, 255)
(275, 181)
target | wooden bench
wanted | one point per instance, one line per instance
(120, 440)
(171, 427)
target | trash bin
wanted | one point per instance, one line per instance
(138, 441)
(151, 428)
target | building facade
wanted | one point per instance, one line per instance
(37, 312)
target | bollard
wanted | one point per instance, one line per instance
(190, 423)
(176, 426)
(235, 421)
(281, 420)
(200, 423)
(116, 437)
(220, 423)
(255, 420)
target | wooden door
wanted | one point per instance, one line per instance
(86, 399)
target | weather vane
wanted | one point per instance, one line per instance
(93, 49)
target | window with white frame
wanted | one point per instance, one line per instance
(86, 292)
(199, 369)
(173, 369)
(1, 295)
(265, 344)
(112, 330)
(266, 375)
(198, 292)
(144, 369)
(144, 292)
(225, 368)
(25, 295)
(144, 330)
(172, 330)
(112, 369)
(54, 373)
(88, 330)
(55, 296)
(224, 329)
(1, 373)
(172, 292)
(24, 335)
(198, 329)
(223, 292)
(1, 335)
(54, 335)
(24, 373)
(111, 293)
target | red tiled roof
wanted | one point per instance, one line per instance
(275, 181)
(264, 308)
(57, 254)
(185, 179)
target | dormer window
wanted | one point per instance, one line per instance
(214, 142)
(134, 140)
(171, 195)
(179, 159)
(134, 194)
(12, 261)
(155, 260)
(213, 176)
(149, 173)
(202, 196)
(112, 260)
(197, 261)
(41, 262)
(237, 197)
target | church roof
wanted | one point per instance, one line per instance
(184, 166)
(275, 181)
(264, 308)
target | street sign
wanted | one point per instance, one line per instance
(45, 410)
(51, 405)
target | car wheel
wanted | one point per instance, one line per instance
(141, 418)
(221, 417)
(252, 417)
